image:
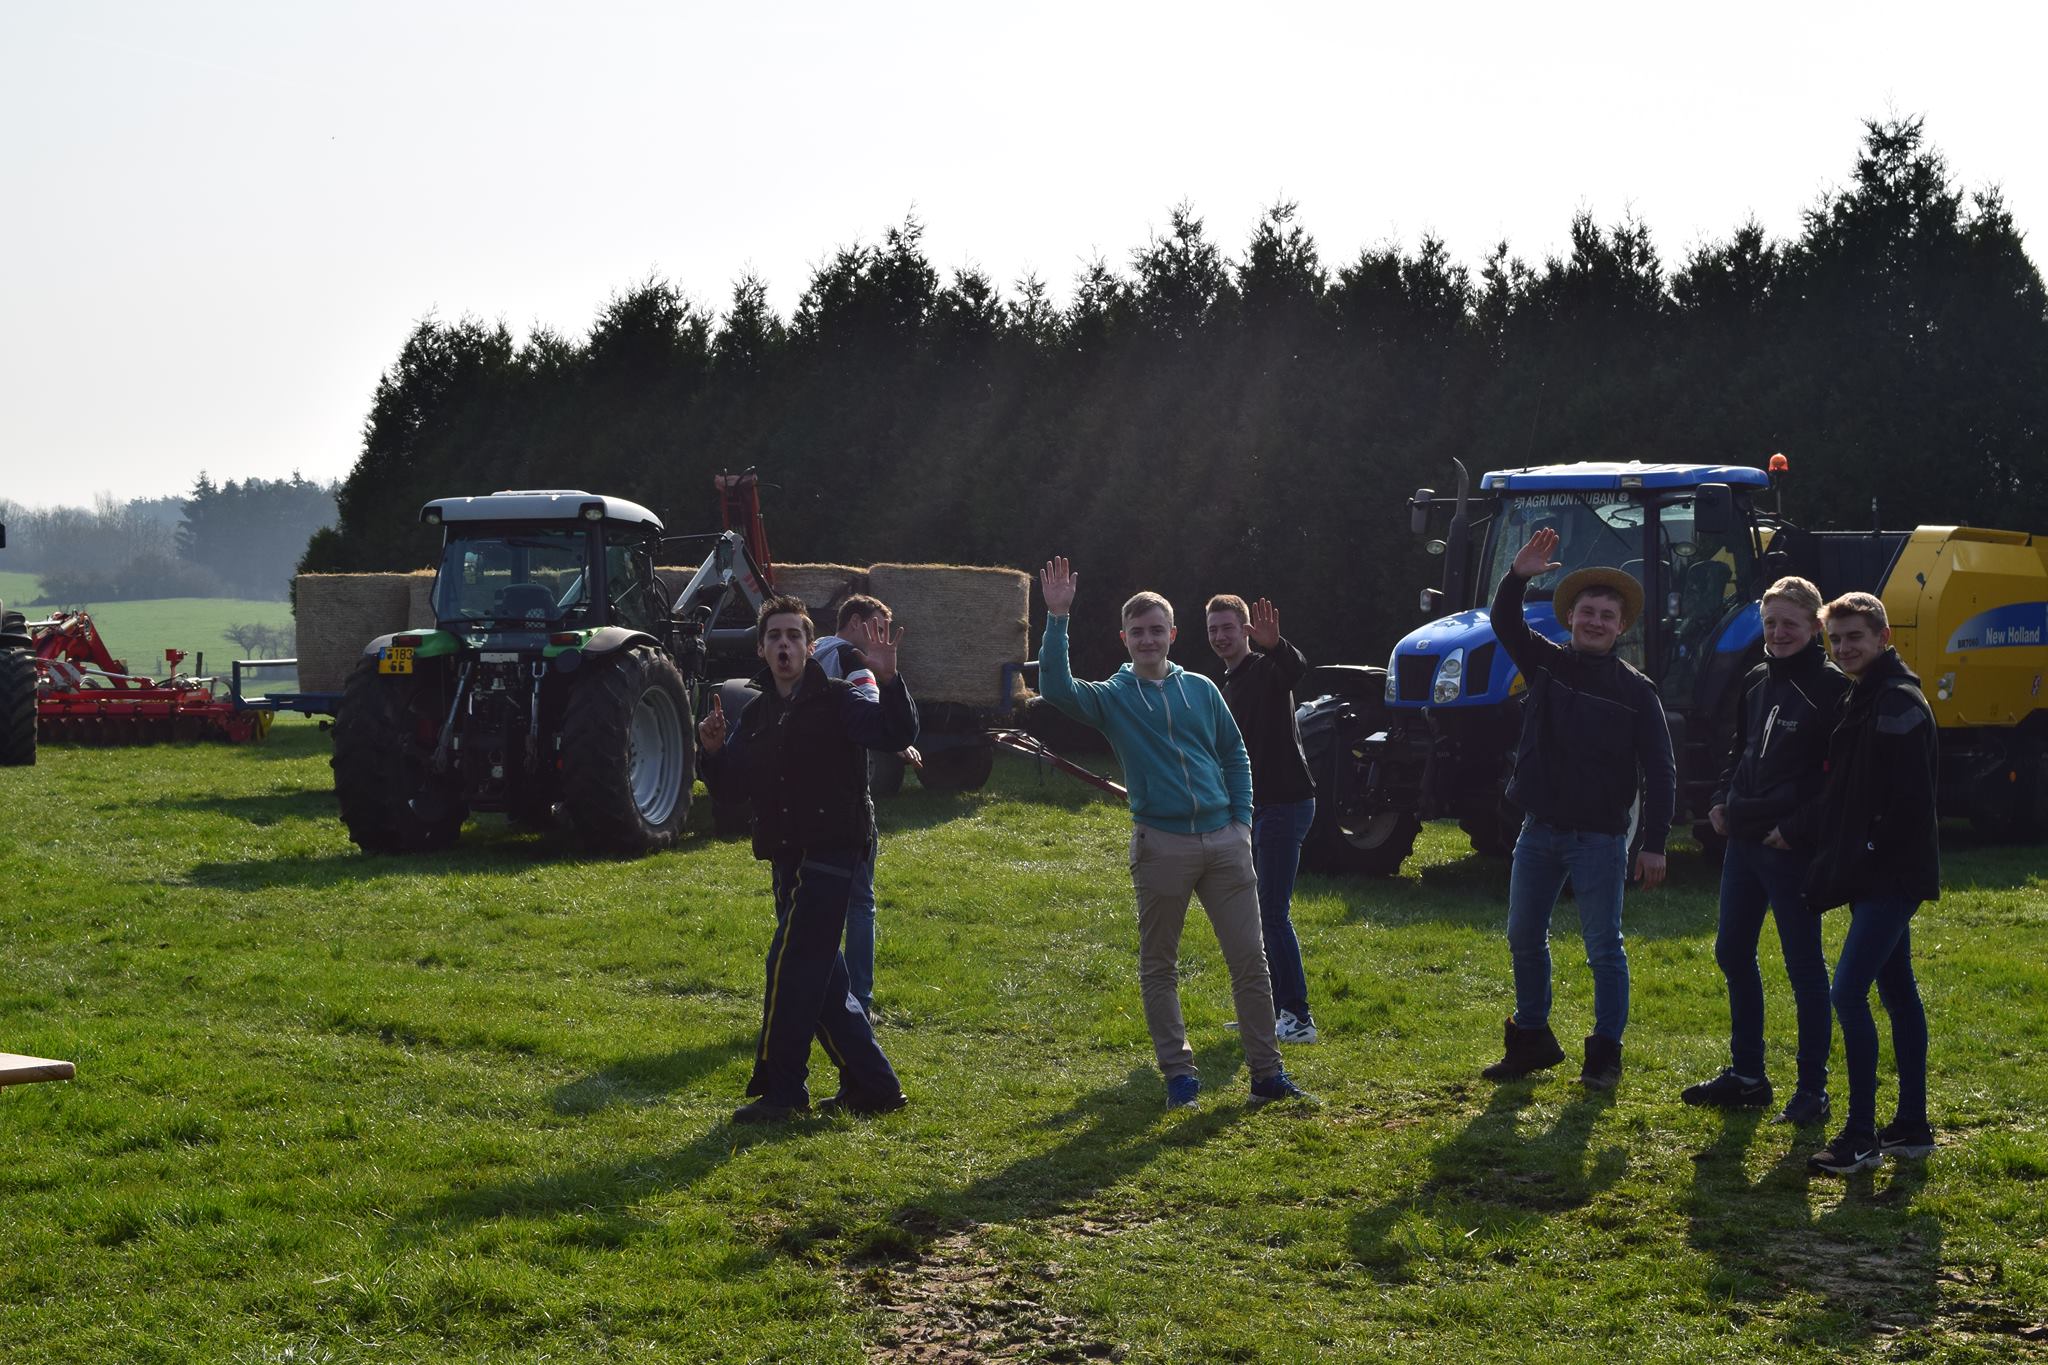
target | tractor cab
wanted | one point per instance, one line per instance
(543, 563)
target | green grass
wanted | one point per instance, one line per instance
(473, 1106)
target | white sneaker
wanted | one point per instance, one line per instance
(1289, 1029)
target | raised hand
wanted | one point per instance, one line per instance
(1265, 624)
(1058, 582)
(1534, 559)
(880, 649)
(711, 729)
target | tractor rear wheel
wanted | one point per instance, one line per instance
(384, 733)
(17, 708)
(627, 753)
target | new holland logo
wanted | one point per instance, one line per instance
(2017, 625)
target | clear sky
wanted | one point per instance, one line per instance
(222, 219)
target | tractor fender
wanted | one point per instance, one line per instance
(432, 643)
(609, 640)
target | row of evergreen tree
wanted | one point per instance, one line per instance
(1196, 422)
(240, 538)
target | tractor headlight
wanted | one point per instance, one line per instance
(1450, 676)
(1393, 692)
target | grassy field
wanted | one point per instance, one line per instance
(473, 1107)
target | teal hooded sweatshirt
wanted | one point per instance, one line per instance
(1183, 758)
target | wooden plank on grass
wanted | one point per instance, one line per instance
(16, 1069)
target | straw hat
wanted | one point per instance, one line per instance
(1623, 584)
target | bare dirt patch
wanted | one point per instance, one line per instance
(958, 1303)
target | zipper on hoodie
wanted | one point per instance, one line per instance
(1186, 778)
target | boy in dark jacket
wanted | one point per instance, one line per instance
(1777, 765)
(1258, 685)
(1593, 738)
(800, 751)
(1873, 839)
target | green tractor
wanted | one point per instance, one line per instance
(17, 687)
(548, 688)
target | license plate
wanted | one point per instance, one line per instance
(394, 659)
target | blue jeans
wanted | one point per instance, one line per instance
(1597, 866)
(1277, 833)
(1879, 949)
(1756, 879)
(860, 931)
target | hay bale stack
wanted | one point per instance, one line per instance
(822, 586)
(419, 612)
(963, 624)
(339, 613)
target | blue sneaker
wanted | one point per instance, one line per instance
(1181, 1091)
(1278, 1086)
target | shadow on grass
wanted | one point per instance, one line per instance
(1472, 892)
(596, 1198)
(487, 845)
(469, 855)
(1109, 1135)
(1490, 1177)
(271, 808)
(1870, 1264)
(645, 1079)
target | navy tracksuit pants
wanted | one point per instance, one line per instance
(806, 994)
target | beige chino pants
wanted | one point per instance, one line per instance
(1217, 868)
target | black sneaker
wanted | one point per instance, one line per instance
(862, 1103)
(1910, 1141)
(1846, 1155)
(1728, 1091)
(1806, 1109)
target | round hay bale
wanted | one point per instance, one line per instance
(822, 587)
(961, 623)
(339, 613)
(419, 612)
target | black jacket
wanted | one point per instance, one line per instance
(1260, 692)
(1872, 832)
(1593, 733)
(803, 760)
(1778, 762)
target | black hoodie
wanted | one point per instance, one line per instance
(1779, 760)
(1873, 830)
(1593, 733)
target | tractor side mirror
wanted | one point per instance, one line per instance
(1418, 510)
(1713, 510)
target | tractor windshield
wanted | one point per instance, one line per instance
(1595, 528)
(531, 577)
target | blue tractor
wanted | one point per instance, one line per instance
(1432, 735)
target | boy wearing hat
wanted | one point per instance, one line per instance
(1593, 738)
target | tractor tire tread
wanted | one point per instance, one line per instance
(597, 754)
(375, 778)
(17, 709)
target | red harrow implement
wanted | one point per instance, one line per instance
(84, 695)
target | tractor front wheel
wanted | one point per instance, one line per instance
(384, 733)
(627, 753)
(17, 708)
